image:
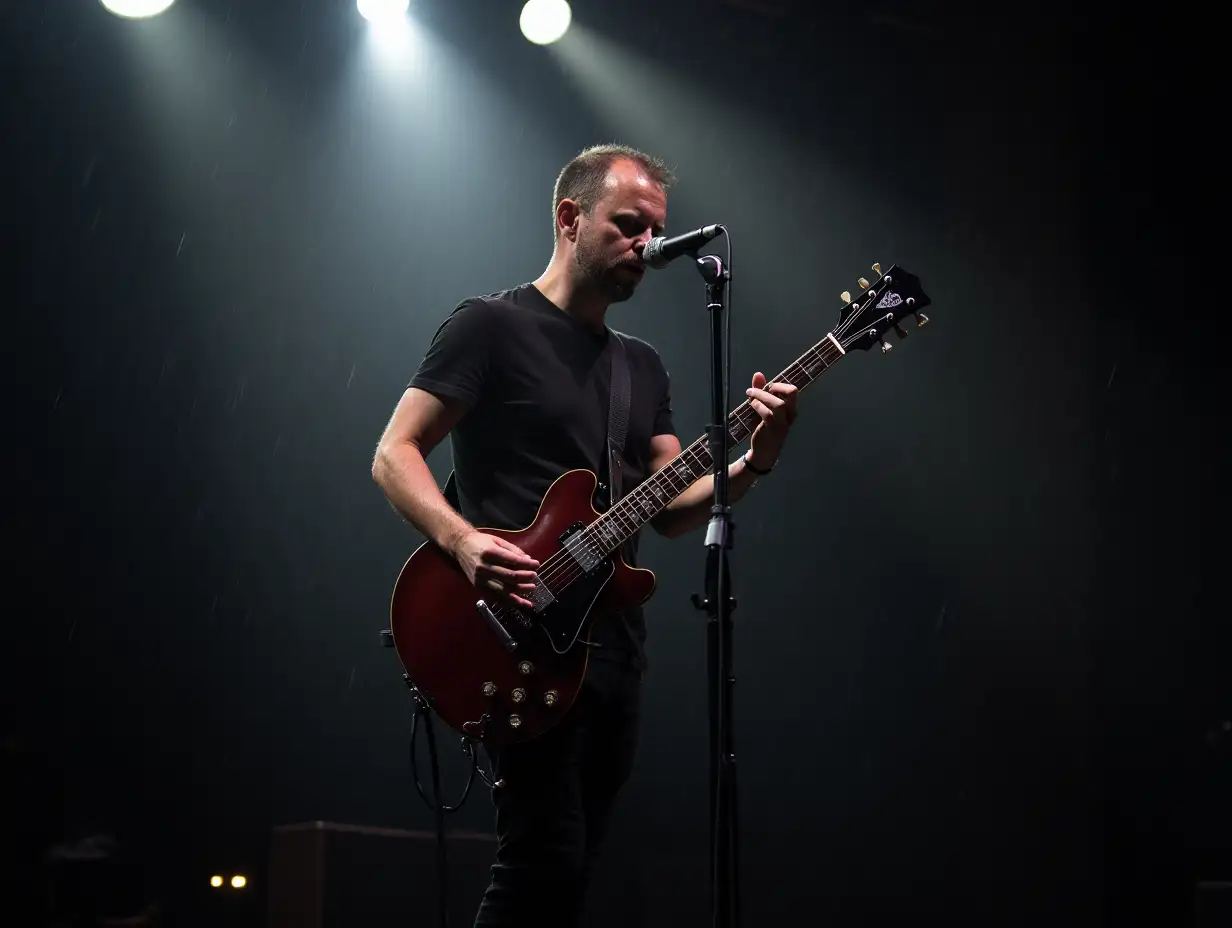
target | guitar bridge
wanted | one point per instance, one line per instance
(542, 597)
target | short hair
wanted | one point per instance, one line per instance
(582, 178)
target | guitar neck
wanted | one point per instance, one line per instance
(623, 520)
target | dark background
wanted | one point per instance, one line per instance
(979, 633)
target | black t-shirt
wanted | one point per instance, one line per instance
(537, 384)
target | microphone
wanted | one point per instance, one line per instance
(659, 250)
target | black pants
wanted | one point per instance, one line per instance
(555, 805)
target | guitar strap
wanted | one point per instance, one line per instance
(617, 427)
(451, 492)
(617, 417)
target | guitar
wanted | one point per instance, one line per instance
(499, 673)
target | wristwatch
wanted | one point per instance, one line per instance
(749, 464)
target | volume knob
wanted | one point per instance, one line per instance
(550, 697)
(518, 694)
(526, 668)
(489, 689)
(515, 721)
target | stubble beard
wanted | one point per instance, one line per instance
(601, 278)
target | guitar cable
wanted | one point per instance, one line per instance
(438, 807)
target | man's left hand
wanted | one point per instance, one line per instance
(776, 405)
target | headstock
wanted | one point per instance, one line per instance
(880, 306)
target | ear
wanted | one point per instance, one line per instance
(568, 215)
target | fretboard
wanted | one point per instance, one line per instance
(654, 494)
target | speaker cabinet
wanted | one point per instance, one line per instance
(327, 875)
(1213, 905)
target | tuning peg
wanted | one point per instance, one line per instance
(902, 333)
(920, 319)
(886, 347)
(845, 296)
(877, 268)
(863, 283)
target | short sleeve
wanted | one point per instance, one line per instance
(456, 363)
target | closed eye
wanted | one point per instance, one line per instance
(630, 226)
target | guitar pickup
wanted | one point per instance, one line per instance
(584, 552)
(501, 632)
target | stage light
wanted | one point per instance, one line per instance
(136, 9)
(382, 11)
(216, 881)
(545, 21)
(238, 882)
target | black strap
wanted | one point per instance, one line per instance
(451, 492)
(617, 415)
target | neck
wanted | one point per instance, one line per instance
(571, 296)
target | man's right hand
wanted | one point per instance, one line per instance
(493, 564)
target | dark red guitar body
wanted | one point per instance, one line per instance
(459, 662)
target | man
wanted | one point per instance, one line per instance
(521, 381)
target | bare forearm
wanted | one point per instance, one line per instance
(691, 509)
(401, 472)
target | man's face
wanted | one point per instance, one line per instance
(633, 208)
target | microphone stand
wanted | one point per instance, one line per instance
(718, 604)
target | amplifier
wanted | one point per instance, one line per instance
(1213, 905)
(328, 875)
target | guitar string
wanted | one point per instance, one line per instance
(618, 523)
(562, 568)
(617, 520)
(562, 565)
